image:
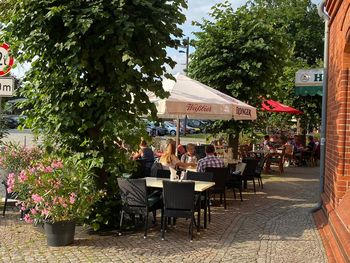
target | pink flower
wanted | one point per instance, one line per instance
(10, 182)
(23, 207)
(58, 184)
(56, 164)
(22, 176)
(28, 219)
(45, 212)
(41, 167)
(32, 170)
(33, 211)
(37, 198)
(61, 200)
(72, 197)
(48, 169)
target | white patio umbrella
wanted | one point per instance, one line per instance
(195, 100)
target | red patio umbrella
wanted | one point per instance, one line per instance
(275, 106)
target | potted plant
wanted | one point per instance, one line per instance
(57, 193)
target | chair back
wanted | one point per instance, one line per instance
(196, 176)
(133, 192)
(155, 167)
(200, 151)
(240, 167)
(220, 176)
(140, 169)
(251, 166)
(163, 174)
(178, 195)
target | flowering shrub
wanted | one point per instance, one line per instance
(54, 190)
(15, 158)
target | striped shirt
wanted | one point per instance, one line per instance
(209, 161)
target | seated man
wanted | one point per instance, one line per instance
(311, 145)
(210, 160)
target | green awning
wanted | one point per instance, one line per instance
(308, 91)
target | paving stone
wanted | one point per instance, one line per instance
(273, 225)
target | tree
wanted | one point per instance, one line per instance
(302, 24)
(304, 30)
(92, 65)
(239, 53)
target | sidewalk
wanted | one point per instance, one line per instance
(273, 225)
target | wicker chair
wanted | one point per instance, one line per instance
(249, 171)
(220, 177)
(136, 201)
(179, 202)
(204, 177)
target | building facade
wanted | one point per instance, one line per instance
(335, 222)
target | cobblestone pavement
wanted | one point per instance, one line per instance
(273, 225)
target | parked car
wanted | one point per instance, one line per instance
(171, 128)
(154, 130)
(198, 124)
(12, 121)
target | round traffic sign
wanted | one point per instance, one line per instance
(6, 62)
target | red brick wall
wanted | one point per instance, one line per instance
(337, 167)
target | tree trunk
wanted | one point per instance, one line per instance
(233, 141)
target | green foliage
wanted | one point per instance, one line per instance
(302, 24)
(254, 53)
(239, 53)
(92, 65)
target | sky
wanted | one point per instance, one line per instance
(197, 9)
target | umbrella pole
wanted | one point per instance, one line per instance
(177, 133)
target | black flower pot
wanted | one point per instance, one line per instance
(60, 233)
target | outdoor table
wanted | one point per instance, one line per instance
(199, 186)
(191, 169)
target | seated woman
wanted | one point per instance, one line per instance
(169, 159)
(189, 157)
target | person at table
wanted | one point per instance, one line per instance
(169, 159)
(180, 148)
(145, 153)
(267, 144)
(210, 160)
(311, 145)
(189, 157)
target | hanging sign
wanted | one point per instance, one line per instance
(6, 61)
(308, 82)
(7, 86)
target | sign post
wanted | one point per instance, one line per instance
(6, 61)
(7, 84)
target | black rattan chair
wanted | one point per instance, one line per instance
(259, 169)
(178, 199)
(136, 201)
(204, 177)
(249, 171)
(235, 179)
(220, 177)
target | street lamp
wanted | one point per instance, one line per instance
(186, 45)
